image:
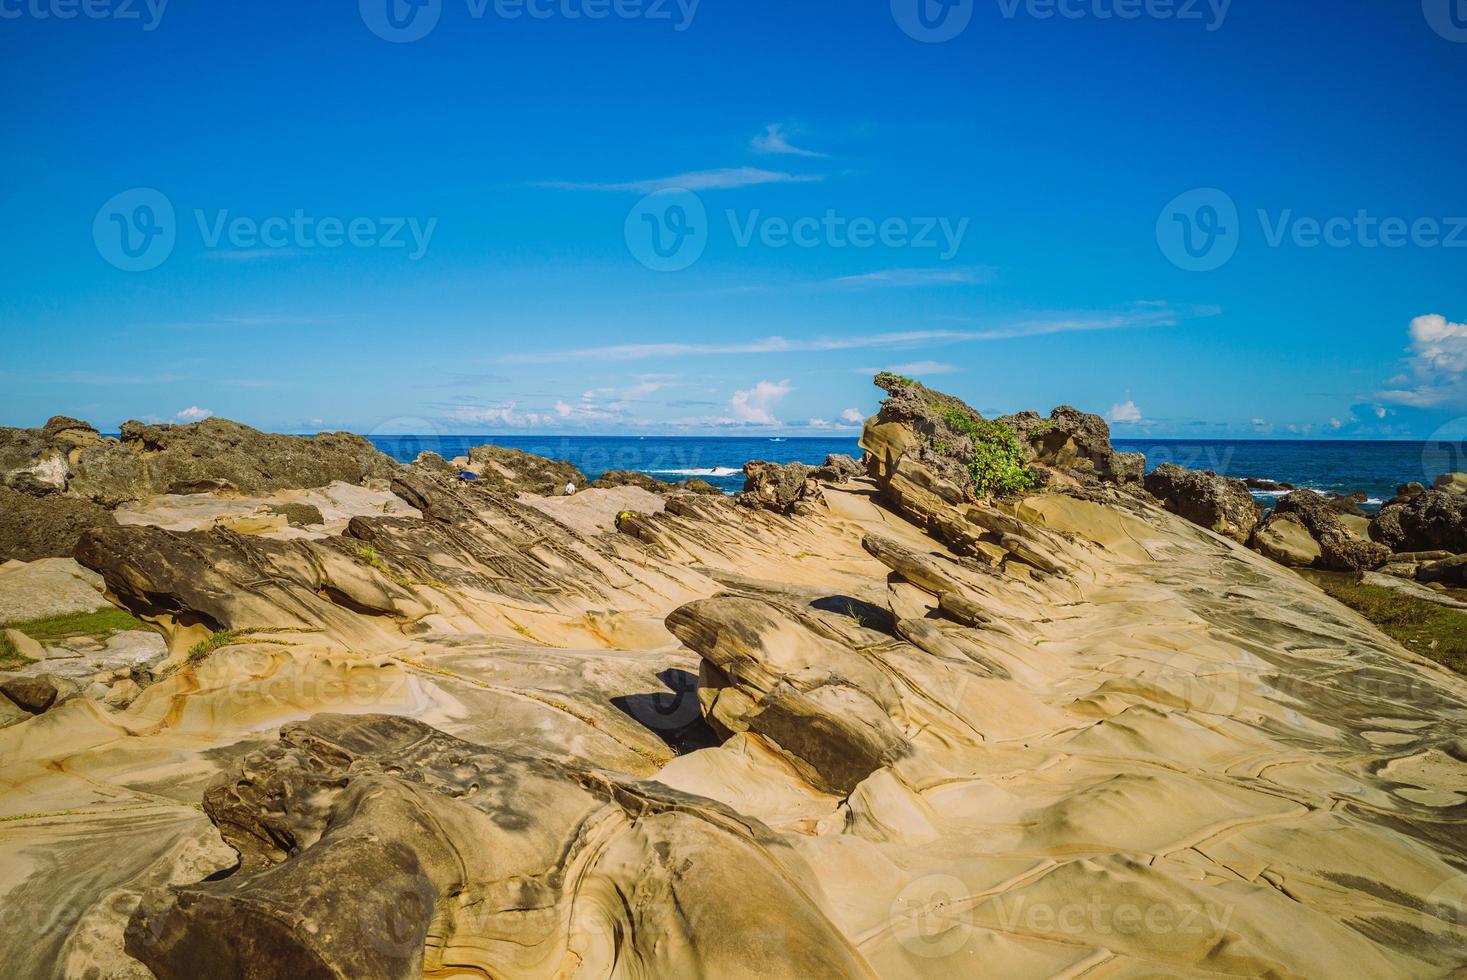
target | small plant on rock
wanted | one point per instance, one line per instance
(217, 639)
(998, 467)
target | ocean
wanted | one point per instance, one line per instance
(1373, 468)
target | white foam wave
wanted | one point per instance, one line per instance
(706, 471)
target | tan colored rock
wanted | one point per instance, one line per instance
(1450, 482)
(24, 645)
(1286, 540)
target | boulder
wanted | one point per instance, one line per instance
(47, 587)
(24, 645)
(1428, 521)
(839, 468)
(1448, 571)
(1285, 539)
(699, 486)
(511, 471)
(298, 515)
(34, 694)
(785, 488)
(33, 527)
(1215, 502)
(1254, 483)
(1450, 483)
(1340, 550)
(1409, 489)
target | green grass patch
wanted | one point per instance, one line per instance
(9, 656)
(1423, 627)
(369, 555)
(887, 378)
(100, 624)
(217, 639)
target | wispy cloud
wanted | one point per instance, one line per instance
(774, 140)
(892, 340)
(900, 278)
(696, 180)
(916, 369)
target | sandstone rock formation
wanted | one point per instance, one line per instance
(1285, 539)
(1077, 441)
(1218, 503)
(899, 733)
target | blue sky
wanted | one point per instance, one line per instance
(1006, 213)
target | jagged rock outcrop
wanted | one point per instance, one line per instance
(1218, 503)
(376, 846)
(839, 468)
(631, 478)
(785, 488)
(505, 470)
(1427, 521)
(1077, 442)
(63, 478)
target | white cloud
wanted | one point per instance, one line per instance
(755, 406)
(774, 140)
(1260, 423)
(694, 180)
(853, 416)
(898, 339)
(1380, 411)
(194, 414)
(503, 414)
(1125, 411)
(1335, 423)
(1436, 365)
(918, 277)
(818, 423)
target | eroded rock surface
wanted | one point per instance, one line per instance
(1218, 503)
(900, 733)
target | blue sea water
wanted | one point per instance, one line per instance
(1374, 468)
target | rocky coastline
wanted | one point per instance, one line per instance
(990, 699)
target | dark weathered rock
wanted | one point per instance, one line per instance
(1428, 521)
(1448, 571)
(786, 488)
(1215, 502)
(298, 515)
(839, 468)
(1077, 442)
(1255, 483)
(46, 526)
(1339, 549)
(631, 478)
(33, 694)
(511, 471)
(699, 486)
